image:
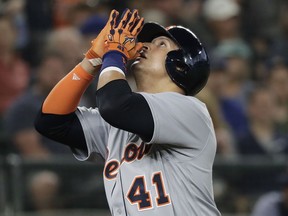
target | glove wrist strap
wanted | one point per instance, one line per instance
(114, 59)
(93, 58)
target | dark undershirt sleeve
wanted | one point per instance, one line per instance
(65, 129)
(124, 109)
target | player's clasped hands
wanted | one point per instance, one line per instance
(123, 31)
(118, 34)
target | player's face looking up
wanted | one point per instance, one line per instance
(150, 66)
(153, 55)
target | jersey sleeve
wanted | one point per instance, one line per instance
(180, 120)
(96, 132)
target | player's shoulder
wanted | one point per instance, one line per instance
(176, 99)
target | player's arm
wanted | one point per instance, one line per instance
(117, 104)
(124, 109)
(65, 96)
(57, 119)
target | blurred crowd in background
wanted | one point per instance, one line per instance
(246, 94)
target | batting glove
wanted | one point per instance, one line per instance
(122, 35)
(97, 50)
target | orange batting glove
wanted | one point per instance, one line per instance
(122, 37)
(97, 50)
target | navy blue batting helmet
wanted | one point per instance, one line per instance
(188, 66)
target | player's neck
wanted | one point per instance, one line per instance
(152, 87)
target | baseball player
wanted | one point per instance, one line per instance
(158, 143)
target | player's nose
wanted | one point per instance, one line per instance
(146, 46)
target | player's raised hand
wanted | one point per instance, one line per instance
(97, 50)
(123, 32)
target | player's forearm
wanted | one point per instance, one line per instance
(65, 96)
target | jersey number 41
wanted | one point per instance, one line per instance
(138, 193)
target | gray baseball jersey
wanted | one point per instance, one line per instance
(171, 174)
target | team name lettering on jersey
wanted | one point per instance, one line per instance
(132, 152)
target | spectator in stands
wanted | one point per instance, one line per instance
(67, 41)
(77, 14)
(235, 84)
(280, 42)
(278, 84)
(39, 18)
(61, 11)
(233, 98)
(15, 10)
(223, 18)
(262, 137)
(14, 72)
(210, 95)
(159, 11)
(274, 203)
(260, 17)
(172, 9)
(43, 189)
(19, 118)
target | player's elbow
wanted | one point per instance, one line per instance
(39, 124)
